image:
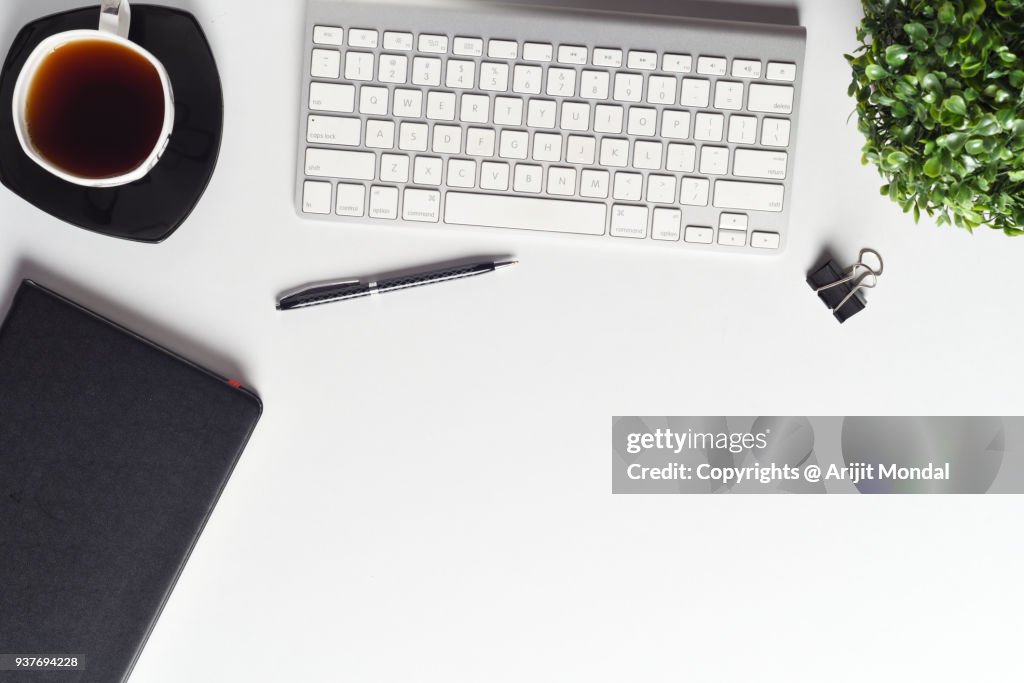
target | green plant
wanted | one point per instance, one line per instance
(940, 98)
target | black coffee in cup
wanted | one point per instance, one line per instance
(95, 108)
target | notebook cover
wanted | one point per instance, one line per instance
(113, 453)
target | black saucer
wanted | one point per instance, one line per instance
(150, 209)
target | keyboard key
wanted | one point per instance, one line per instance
(422, 206)
(362, 37)
(714, 160)
(774, 99)
(642, 121)
(426, 71)
(468, 47)
(441, 106)
(732, 194)
(538, 52)
(696, 92)
(665, 224)
(628, 186)
(460, 73)
(642, 61)
(433, 43)
(325, 64)
(743, 129)
(711, 66)
(514, 144)
(333, 130)
(675, 124)
(661, 189)
(629, 221)
(333, 163)
(359, 66)
(332, 97)
(394, 168)
(694, 191)
(733, 221)
(607, 57)
(732, 238)
(699, 235)
(764, 240)
(681, 158)
(502, 49)
(594, 184)
(480, 142)
(781, 71)
(494, 176)
(528, 178)
(461, 173)
(475, 108)
(580, 149)
(527, 79)
(316, 197)
(525, 213)
(758, 163)
(541, 113)
(608, 119)
(775, 132)
(427, 171)
(447, 139)
(728, 95)
(384, 202)
(561, 82)
(412, 137)
(661, 90)
(678, 64)
(547, 147)
(575, 116)
(572, 54)
(394, 40)
(408, 103)
(508, 111)
(629, 87)
(328, 35)
(351, 200)
(594, 85)
(746, 68)
(393, 69)
(494, 76)
(373, 100)
(561, 181)
(614, 152)
(708, 127)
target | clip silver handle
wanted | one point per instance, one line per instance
(115, 17)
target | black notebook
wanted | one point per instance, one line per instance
(113, 453)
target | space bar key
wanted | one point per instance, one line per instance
(524, 213)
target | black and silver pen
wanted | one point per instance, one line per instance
(354, 289)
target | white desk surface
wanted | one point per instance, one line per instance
(427, 497)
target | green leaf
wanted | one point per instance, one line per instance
(897, 158)
(916, 30)
(947, 15)
(956, 105)
(895, 55)
(933, 167)
(875, 72)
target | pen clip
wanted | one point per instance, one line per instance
(334, 284)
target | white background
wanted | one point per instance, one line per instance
(428, 495)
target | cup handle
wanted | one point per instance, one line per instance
(115, 17)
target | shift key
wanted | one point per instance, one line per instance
(730, 194)
(334, 163)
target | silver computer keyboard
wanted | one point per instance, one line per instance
(613, 126)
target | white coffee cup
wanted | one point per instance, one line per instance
(115, 19)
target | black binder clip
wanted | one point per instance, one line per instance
(841, 290)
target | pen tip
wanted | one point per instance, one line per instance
(505, 264)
